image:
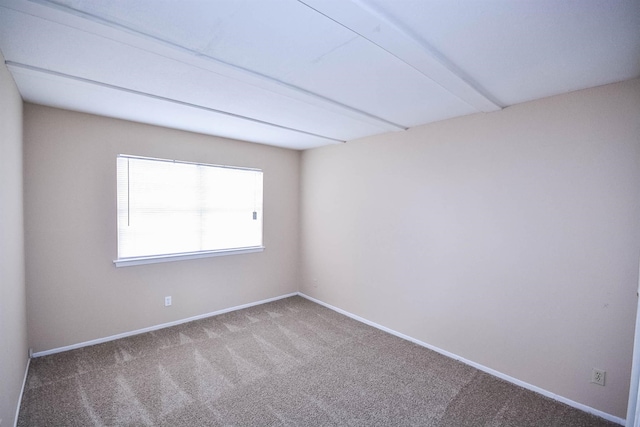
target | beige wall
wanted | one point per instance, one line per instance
(75, 293)
(511, 239)
(13, 327)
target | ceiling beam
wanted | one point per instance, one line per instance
(15, 65)
(381, 30)
(60, 13)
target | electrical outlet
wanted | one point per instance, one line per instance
(598, 376)
(167, 301)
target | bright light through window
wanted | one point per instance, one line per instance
(169, 207)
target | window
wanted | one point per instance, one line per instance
(169, 210)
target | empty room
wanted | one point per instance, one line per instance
(319, 212)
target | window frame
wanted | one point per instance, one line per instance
(180, 256)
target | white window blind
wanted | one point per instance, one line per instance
(169, 207)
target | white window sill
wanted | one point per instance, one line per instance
(126, 262)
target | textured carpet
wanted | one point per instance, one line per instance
(285, 363)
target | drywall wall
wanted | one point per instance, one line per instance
(511, 239)
(75, 293)
(13, 324)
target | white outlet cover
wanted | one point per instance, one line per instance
(167, 301)
(598, 376)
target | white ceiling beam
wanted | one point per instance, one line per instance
(44, 72)
(381, 30)
(55, 12)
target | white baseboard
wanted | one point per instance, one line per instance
(478, 366)
(24, 383)
(156, 327)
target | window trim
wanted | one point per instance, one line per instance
(153, 259)
(157, 159)
(182, 256)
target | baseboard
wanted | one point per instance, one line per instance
(478, 366)
(156, 327)
(24, 383)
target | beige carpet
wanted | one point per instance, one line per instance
(285, 363)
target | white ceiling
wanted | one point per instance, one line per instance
(306, 73)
